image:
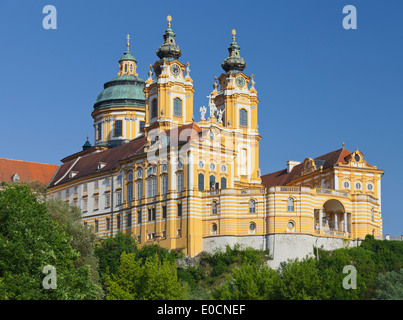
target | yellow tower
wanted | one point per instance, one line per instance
(169, 94)
(235, 99)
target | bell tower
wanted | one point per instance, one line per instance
(235, 94)
(169, 88)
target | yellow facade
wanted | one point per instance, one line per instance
(198, 184)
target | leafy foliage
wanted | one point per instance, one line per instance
(151, 280)
(390, 285)
(30, 240)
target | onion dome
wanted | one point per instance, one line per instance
(125, 90)
(87, 144)
(234, 62)
(169, 49)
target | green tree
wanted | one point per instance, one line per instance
(110, 249)
(300, 280)
(83, 239)
(30, 240)
(151, 280)
(390, 286)
(250, 281)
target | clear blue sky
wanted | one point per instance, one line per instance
(319, 85)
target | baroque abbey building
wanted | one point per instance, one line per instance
(155, 173)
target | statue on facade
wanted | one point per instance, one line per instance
(203, 111)
(220, 114)
(212, 107)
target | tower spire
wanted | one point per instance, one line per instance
(234, 62)
(128, 42)
(169, 49)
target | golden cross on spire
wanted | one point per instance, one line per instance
(128, 42)
(233, 34)
(169, 19)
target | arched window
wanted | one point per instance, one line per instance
(290, 204)
(118, 128)
(177, 107)
(243, 118)
(99, 131)
(214, 207)
(201, 182)
(212, 182)
(223, 183)
(154, 108)
(252, 206)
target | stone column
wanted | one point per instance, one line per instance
(320, 219)
(336, 226)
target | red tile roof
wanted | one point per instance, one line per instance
(26, 170)
(281, 177)
(88, 164)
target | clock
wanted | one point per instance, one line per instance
(175, 70)
(240, 82)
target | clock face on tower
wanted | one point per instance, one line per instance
(240, 82)
(175, 70)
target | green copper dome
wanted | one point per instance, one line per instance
(123, 90)
(169, 49)
(234, 63)
(128, 56)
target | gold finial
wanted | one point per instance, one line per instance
(169, 19)
(343, 144)
(233, 34)
(128, 42)
(87, 135)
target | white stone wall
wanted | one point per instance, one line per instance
(282, 246)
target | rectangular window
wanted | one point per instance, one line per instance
(154, 187)
(96, 226)
(179, 209)
(149, 188)
(139, 190)
(180, 182)
(118, 222)
(129, 219)
(163, 234)
(96, 203)
(67, 193)
(107, 201)
(177, 107)
(201, 182)
(139, 216)
(130, 192)
(118, 198)
(96, 184)
(119, 179)
(149, 214)
(85, 187)
(107, 182)
(85, 205)
(99, 131)
(178, 232)
(118, 128)
(154, 214)
(164, 212)
(164, 184)
(108, 224)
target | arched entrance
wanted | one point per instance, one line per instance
(332, 218)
